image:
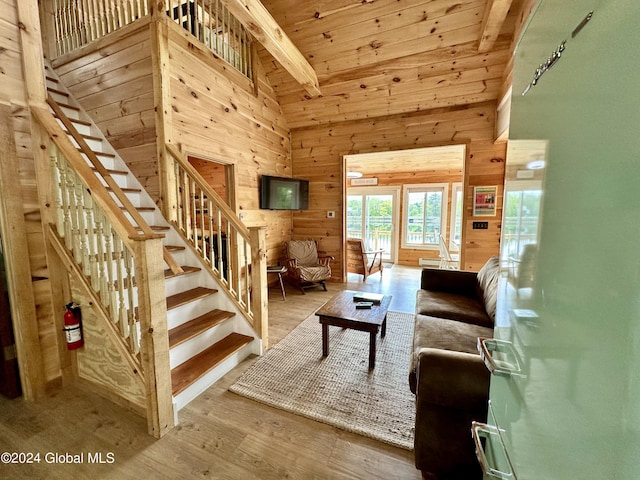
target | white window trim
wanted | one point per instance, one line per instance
(424, 187)
(455, 187)
(382, 190)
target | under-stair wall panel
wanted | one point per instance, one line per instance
(100, 363)
(113, 81)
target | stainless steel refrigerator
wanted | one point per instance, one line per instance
(565, 388)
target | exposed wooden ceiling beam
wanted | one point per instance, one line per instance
(495, 14)
(257, 19)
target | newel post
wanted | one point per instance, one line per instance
(163, 114)
(259, 293)
(154, 337)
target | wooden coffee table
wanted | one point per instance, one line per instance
(341, 311)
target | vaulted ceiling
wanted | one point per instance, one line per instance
(375, 58)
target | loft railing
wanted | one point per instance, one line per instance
(107, 252)
(79, 22)
(76, 23)
(235, 254)
(211, 22)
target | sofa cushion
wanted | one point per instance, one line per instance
(452, 306)
(433, 332)
(488, 277)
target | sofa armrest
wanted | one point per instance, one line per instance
(453, 281)
(452, 379)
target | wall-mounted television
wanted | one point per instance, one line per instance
(281, 193)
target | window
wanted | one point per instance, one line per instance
(455, 232)
(425, 215)
(521, 216)
(372, 215)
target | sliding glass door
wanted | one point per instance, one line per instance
(372, 215)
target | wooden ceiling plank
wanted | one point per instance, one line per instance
(400, 70)
(382, 87)
(370, 55)
(456, 28)
(494, 16)
(479, 92)
(422, 20)
(372, 18)
(257, 20)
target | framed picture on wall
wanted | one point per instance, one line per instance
(484, 201)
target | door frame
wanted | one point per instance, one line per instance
(229, 172)
(394, 191)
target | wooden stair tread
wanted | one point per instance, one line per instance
(126, 189)
(185, 268)
(142, 209)
(80, 122)
(87, 137)
(70, 107)
(77, 120)
(175, 248)
(156, 228)
(101, 154)
(59, 92)
(167, 274)
(111, 171)
(192, 328)
(183, 298)
(188, 372)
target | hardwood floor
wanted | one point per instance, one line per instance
(221, 435)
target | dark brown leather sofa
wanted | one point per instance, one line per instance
(447, 374)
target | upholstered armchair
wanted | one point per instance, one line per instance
(305, 268)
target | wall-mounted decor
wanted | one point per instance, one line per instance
(484, 201)
(364, 181)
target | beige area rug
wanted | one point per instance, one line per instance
(340, 390)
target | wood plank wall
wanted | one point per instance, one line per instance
(218, 114)
(317, 153)
(13, 93)
(112, 79)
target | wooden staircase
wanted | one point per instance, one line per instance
(207, 335)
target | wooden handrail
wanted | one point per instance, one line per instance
(242, 269)
(104, 173)
(98, 191)
(147, 231)
(97, 242)
(202, 183)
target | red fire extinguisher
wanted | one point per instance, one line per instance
(73, 326)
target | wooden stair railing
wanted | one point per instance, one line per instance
(106, 252)
(115, 188)
(235, 254)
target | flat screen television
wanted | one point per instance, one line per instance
(281, 193)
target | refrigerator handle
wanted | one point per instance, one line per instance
(508, 365)
(491, 436)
